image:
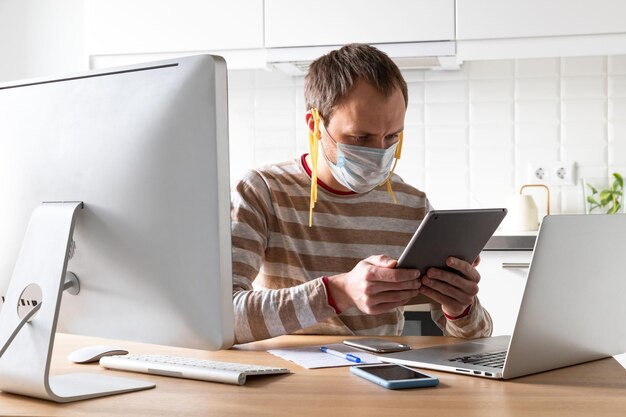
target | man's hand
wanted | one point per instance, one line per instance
(374, 286)
(455, 291)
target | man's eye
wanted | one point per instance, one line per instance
(361, 139)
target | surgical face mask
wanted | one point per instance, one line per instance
(315, 139)
(359, 168)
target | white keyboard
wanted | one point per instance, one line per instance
(179, 367)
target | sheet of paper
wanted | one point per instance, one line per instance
(311, 357)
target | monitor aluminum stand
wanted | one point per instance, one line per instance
(26, 339)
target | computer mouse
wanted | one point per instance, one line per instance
(91, 354)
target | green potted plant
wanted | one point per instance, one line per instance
(609, 199)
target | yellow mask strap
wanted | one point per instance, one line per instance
(397, 156)
(314, 138)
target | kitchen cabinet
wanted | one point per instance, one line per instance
(512, 29)
(290, 23)
(501, 19)
(144, 26)
(503, 279)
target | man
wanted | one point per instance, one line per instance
(318, 256)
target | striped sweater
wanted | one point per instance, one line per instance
(279, 261)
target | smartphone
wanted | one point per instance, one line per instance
(377, 345)
(392, 376)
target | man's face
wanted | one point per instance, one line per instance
(365, 117)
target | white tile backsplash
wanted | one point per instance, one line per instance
(584, 87)
(617, 144)
(416, 92)
(446, 136)
(588, 155)
(617, 109)
(446, 91)
(470, 134)
(584, 134)
(413, 158)
(489, 160)
(617, 132)
(537, 111)
(617, 64)
(492, 136)
(412, 76)
(491, 112)
(617, 86)
(537, 88)
(587, 65)
(414, 114)
(591, 110)
(491, 69)
(413, 136)
(484, 182)
(543, 67)
(537, 134)
(447, 113)
(439, 157)
(491, 90)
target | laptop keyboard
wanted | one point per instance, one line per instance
(492, 359)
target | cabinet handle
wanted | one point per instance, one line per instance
(515, 264)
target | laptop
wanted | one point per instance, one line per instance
(572, 310)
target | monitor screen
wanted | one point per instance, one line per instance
(145, 148)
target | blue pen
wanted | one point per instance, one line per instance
(346, 356)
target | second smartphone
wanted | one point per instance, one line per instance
(392, 376)
(376, 345)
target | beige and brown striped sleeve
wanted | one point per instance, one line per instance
(261, 314)
(476, 324)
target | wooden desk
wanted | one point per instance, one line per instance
(592, 389)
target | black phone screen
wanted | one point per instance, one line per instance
(393, 372)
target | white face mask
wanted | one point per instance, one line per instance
(359, 168)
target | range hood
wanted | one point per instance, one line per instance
(407, 55)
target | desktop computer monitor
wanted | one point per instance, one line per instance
(145, 148)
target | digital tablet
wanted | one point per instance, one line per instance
(443, 233)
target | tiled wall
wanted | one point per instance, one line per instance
(470, 134)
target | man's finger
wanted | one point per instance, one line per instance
(464, 268)
(395, 275)
(453, 279)
(392, 297)
(382, 261)
(382, 286)
(442, 299)
(461, 297)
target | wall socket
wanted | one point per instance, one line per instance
(552, 173)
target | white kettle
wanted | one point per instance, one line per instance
(522, 210)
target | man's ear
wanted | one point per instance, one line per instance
(310, 121)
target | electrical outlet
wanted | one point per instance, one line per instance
(552, 173)
(564, 173)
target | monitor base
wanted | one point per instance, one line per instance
(83, 386)
(27, 336)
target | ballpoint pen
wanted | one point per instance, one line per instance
(346, 356)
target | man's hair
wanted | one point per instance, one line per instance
(335, 74)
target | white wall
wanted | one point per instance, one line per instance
(469, 134)
(40, 38)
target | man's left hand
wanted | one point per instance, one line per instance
(455, 291)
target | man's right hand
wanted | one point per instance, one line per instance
(374, 286)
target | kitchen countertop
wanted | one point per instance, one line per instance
(508, 240)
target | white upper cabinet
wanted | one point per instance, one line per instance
(148, 26)
(292, 23)
(515, 29)
(504, 19)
